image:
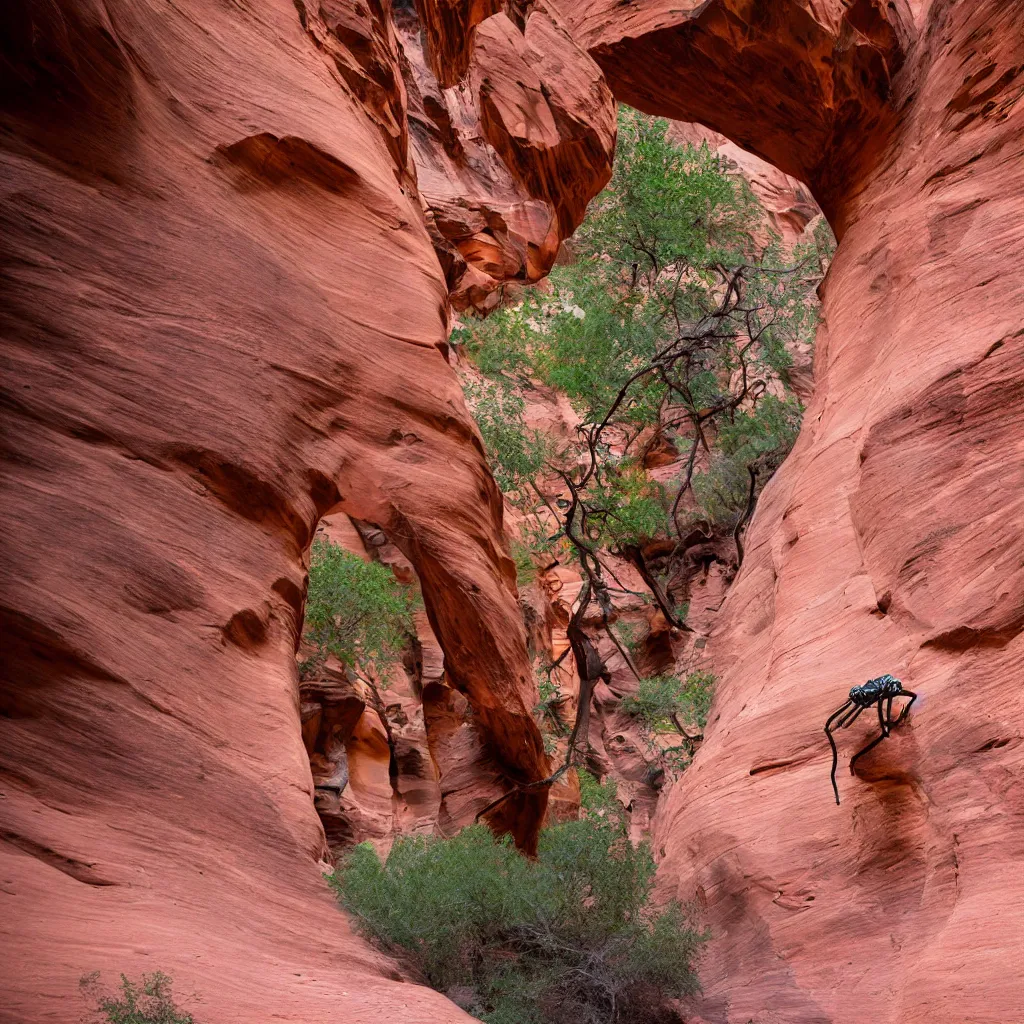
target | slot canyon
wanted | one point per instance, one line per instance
(236, 237)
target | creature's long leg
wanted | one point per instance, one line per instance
(888, 713)
(850, 717)
(832, 742)
(903, 713)
(874, 742)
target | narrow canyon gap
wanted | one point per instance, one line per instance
(222, 318)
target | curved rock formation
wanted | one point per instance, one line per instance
(509, 150)
(890, 541)
(223, 317)
(807, 86)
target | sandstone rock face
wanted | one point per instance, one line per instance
(223, 317)
(890, 541)
(805, 84)
(509, 151)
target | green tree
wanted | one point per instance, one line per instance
(673, 327)
(357, 611)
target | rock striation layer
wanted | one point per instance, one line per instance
(223, 317)
(890, 541)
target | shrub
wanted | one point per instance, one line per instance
(661, 699)
(355, 610)
(499, 344)
(526, 567)
(633, 507)
(760, 439)
(147, 1002)
(570, 938)
(661, 706)
(677, 318)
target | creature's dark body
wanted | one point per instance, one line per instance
(875, 690)
(882, 690)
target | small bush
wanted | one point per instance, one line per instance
(570, 938)
(523, 554)
(659, 699)
(661, 706)
(760, 439)
(147, 1002)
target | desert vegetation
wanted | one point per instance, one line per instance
(357, 611)
(670, 712)
(148, 1001)
(672, 330)
(569, 938)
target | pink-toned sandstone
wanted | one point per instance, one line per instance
(891, 539)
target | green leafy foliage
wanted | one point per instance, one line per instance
(570, 938)
(600, 799)
(760, 439)
(550, 696)
(526, 568)
(633, 508)
(593, 338)
(662, 249)
(668, 205)
(631, 635)
(147, 1002)
(500, 343)
(664, 705)
(516, 453)
(355, 610)
(660, 699)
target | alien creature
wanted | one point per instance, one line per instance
(882, 690)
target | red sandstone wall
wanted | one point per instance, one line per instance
(889, 542)
(222, 317)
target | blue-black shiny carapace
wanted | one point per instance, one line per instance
(875, 690)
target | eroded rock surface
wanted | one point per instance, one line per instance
(223, 317)
(509, 150)
(889, 541)
(807, 86)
